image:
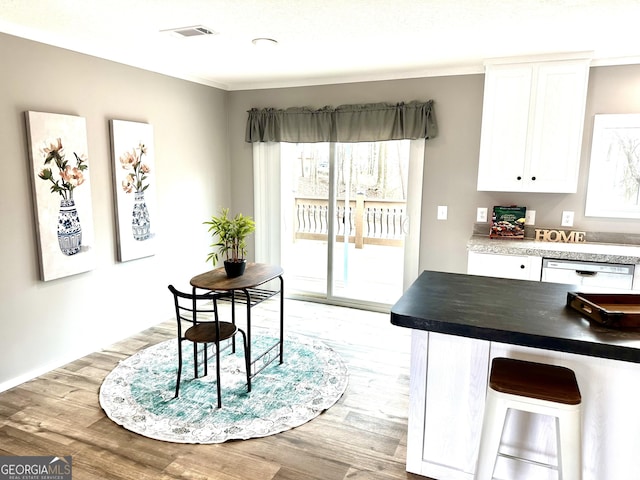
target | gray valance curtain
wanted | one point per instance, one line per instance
(346, 123)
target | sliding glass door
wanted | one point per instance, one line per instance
(344, 220)
(305, 186)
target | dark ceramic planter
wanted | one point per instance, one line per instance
(234, 269)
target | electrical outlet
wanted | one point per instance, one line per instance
(567, 218)
(530, 218)
(481, 215)
(442, 212)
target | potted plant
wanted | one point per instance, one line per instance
(231, 235)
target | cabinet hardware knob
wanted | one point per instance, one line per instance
(518, 177)
(533, 178)
(522, 266)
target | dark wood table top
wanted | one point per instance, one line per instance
(255, 274)
(517, 312)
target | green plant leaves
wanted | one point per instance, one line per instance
(231, 235)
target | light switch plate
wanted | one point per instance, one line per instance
(481, 215)
(530, 218)
(567, 218)
(442, 212)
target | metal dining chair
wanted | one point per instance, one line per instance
(200, 311)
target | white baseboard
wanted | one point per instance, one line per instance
(41, 370)
(70, 357)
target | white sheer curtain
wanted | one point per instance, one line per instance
(268, 211)
(267, 202)
(414, 211)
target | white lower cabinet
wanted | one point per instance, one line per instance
(519, 267)
(449, 377)
(448, 382)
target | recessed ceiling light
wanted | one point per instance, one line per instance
(264, 42)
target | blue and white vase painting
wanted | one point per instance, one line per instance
(69, 228)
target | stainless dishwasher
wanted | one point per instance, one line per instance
(588, 274)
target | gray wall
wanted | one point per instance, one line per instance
(45, 324)
(451, 159)
(202, 164)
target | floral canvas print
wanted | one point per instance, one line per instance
(134, 181)
(614, 171)
(62, 193)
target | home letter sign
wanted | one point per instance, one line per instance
(560, 236)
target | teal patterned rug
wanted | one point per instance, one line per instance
(139, 393)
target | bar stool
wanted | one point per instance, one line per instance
(536, 388)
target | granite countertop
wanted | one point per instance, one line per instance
(517, 312)
(593, 252)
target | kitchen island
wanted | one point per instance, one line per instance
(460, 322)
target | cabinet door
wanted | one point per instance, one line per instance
(532, 123)
(505, 118)
(553, 159)
(519, 267)
(456, 387)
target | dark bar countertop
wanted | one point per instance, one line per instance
(517, 312)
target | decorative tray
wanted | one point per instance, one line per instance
(616, 310)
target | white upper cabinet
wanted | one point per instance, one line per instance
(532, 122)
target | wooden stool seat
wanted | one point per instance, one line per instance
(535, 380)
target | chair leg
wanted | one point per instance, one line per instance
(219, 387)
(205, 360)
(179, 367)
(195, 360)
(569, 446)
(494, 417)
(247, 360)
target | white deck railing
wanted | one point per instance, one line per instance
(376, 222)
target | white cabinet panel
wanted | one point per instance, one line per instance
(456, 388)
(505, 120)
(448, 382)
(557, 127)
(519, 267)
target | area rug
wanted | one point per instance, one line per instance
(139, 393)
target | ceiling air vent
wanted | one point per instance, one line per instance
(195, 31)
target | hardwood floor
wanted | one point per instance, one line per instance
(363, 436)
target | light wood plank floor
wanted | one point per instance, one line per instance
(363, 436)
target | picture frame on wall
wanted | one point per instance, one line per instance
(134, 188)
(613, 188)
(61, 186)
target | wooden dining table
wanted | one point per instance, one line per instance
(249, 289)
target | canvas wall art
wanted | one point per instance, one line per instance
(135, 188)
(62, 193)
(614, 171)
